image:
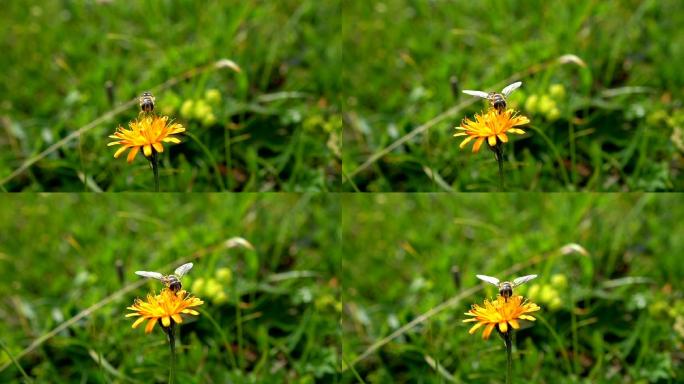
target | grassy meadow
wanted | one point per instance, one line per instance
(270, 314)
(69, 68)
(609, 287)
(602, 87)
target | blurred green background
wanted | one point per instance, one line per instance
(276, 125)
(271, 315)
(614, 124)
(612, 315)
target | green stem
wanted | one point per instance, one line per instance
(509, 356)
(498, 154)
(154, 161)
(171, 337)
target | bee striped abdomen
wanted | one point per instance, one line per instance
(146, 102)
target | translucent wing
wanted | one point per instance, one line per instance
(509, 89)
(481, 94)
(153, 275)
(489, 279)
(183, 269)
(523, 279)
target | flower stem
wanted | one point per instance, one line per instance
(154, 161)
(509, 356)
(171, 337)
(498, 154)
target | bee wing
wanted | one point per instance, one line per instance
(509, 89)
(183, 269)
(153, 275)
(523, 279)
(489, 279)
(481, 94)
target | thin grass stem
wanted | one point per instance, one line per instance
(15, 362)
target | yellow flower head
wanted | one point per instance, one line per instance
(147, 132)
(167, 306)
(500, 312)
(491, 126)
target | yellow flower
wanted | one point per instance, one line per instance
(500, 313)
(146, 132)
(165, 307)
(491, 125)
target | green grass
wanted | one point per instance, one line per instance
(271, 315)
(613, 315)
(276, 127)
(617, 127)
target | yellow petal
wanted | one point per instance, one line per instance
(119, 152)
(492, 141)
(166, 321)
(516, 130)
(527, 317)
(466, 141)
(514, 323)
(177, 318)
(475, 327)
(487, 331)
(150, 325)
(503, 327)
(176, 128)
(478, 144)
(520, 120)
(132, 153)
(455, 134)
(147, 150)
(190, 311)
(502, 137)
(158, 147)
(171, 140)
(137, 322)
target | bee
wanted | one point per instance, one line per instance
(171, 281)
(146, 102)
(498, 100)
(506, 287)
